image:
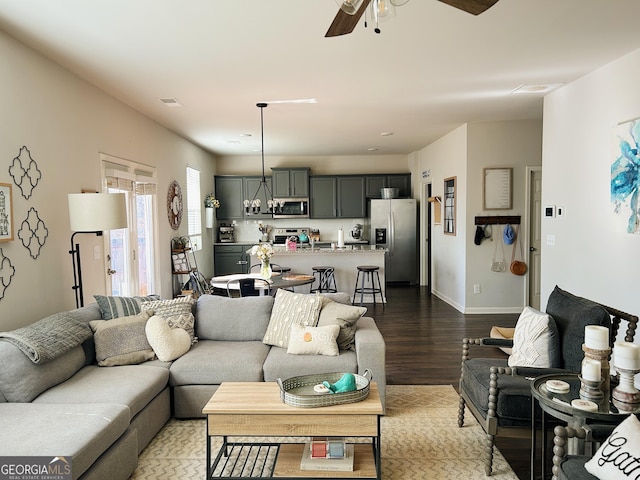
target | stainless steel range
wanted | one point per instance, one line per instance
(280, 235)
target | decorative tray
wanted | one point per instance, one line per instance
(299, 392)
(297, 276)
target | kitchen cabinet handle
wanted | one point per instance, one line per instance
(242, 262)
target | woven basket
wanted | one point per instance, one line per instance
(298, 391)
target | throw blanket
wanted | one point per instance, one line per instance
(50, 337)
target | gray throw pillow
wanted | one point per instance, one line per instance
(122, 341)
(114, 307)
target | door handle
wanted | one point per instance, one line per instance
(532, 249)
(110, 272)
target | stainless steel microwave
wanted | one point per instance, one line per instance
(290, 207)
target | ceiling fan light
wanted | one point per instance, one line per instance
(384, 9)
(349, 7)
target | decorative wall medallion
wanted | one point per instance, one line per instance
(174, 205)
(6, 273)
(25, 172)
(33, 233)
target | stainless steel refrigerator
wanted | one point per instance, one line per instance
(394, 226)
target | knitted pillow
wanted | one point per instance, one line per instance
(290, 308)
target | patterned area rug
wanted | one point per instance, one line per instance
(420, 439)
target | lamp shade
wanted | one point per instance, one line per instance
(94, 212)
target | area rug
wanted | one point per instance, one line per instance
(420, 439)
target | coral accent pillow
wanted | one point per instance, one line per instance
(314, 340)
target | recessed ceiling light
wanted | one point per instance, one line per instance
(234, 141)
(171, 102)
(245, 135)
(386, 134)
(540, 89)
(373, 149)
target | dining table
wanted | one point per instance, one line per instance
(285, 280)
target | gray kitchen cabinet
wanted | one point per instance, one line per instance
(323, 197)
(229, 193)
(401, 181)
(290, 182)
(250, 186)
(228, 259)
(351, 197)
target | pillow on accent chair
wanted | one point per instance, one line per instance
(536, 341)
(618, 455)
(345, 316)
(122, 341)
(290, 308)
(313, 340)
(168, 343)
(115, 307)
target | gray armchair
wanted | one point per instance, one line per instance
(499, 397)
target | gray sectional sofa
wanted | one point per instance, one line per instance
(103, 417)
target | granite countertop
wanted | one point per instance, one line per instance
(360, 249)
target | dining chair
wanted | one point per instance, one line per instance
(248, 287)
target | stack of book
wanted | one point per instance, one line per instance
(327, 455)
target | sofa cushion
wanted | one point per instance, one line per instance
(82, 432)
(122, 341)
(168, 343)
(535, 341)
(21, 380)
(280, 364)
(290, 308)
(114, 307)
(571, 315)
(131, 385)
(313, 340)
(210, 362)
(232, 319)
(345, 316)
(176, 311)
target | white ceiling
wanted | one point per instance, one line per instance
(431, 69)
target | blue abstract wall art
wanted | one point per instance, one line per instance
(625, 175)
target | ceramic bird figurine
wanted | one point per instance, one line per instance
(346, 384)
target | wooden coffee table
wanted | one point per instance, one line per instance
(255, 409)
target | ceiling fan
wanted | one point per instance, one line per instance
(352, 10)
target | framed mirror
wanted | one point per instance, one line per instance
(449, 223)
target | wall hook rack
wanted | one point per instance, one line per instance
(498, 220)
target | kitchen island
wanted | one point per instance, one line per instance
(344, 261)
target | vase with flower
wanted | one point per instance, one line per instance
(210, 203)
(264, 251)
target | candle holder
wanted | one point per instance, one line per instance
(603, 357)
(590, 390)
(626, 396)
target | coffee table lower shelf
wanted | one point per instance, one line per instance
(282, 460)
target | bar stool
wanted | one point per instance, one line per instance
(369, 275)
(326, 280)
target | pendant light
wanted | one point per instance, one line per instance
(253, 206)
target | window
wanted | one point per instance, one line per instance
(194, 209)
(450, 206)
(131, 258)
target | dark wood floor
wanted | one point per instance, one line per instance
(424, 336)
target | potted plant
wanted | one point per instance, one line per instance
(210, 203)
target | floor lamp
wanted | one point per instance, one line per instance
(92, 213)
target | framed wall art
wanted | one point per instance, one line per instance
(6, 213)
(496, 188)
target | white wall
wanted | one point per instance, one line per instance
(66, 123)
(592, 257)
(457, 263)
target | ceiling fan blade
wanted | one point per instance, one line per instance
(345, 23)
(475, 7)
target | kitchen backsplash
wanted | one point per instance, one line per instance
(246, 231)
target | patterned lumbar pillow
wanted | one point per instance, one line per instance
(313, 340)
(618, 456)
(122, 341)
(168, 343)
(290, 308)
(535, 341)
